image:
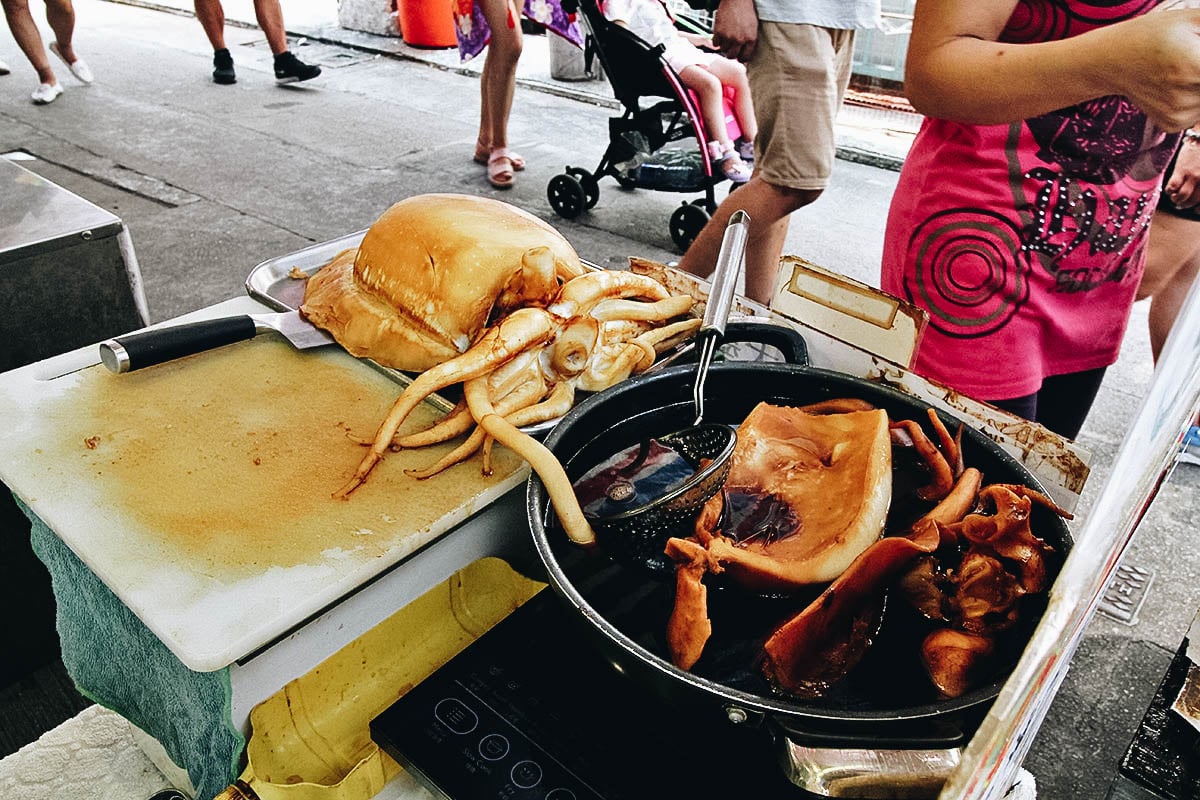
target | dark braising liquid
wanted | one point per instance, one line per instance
(761, 518)
(765, 518)
(632, 478)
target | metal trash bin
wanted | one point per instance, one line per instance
(380, 17)
(569, 63)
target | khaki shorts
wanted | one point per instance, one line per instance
(798, 79)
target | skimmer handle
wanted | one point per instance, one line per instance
(720, 300)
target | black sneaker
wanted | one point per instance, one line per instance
(289, 69)
(223, 68)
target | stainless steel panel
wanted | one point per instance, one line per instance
(36, 216)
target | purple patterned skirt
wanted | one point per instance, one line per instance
(474, 33)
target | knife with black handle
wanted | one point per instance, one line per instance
(158, 345)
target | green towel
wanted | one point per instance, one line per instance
(117, 662)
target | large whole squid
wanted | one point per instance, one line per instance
(471, 291)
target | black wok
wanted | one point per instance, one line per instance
(886, 701)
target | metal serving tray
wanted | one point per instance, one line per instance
(279, 283)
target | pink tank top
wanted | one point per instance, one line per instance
(1026, 242)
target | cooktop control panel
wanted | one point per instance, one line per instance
(530, 711)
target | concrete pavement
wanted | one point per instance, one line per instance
(212, 180)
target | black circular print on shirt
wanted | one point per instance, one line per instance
(971, 273)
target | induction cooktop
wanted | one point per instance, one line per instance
(531, 711)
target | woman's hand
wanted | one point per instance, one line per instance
(735, 29)
(1159, 68)
(1183, 187)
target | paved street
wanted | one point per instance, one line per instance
(212, 180)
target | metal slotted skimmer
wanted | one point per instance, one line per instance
(644, 495)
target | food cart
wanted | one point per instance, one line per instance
(188, 634)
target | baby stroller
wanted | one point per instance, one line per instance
(637, 155)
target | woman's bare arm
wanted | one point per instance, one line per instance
(956, 69)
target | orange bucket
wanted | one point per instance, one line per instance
(427, 23)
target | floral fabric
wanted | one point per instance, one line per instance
(474, 34)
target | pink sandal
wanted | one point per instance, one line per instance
(501, 169)
(482, 154)
(733, 168)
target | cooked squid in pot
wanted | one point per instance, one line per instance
(807, 503)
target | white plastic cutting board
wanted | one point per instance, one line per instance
(200, 491)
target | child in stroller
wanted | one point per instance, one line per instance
(642, 150)
(704, 71)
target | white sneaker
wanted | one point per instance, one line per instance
(81, 71)
(46, 93)
(78, 67)
(4, 69)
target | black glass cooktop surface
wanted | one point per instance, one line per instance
(531, 711)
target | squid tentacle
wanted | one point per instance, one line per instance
(948, 443)
(614, 308)
(657, 336)
(543, 462)
(619, 365)
(559, 402)
(519, 331)
(456, 423)
(522, 397)
(465, 450)
(942, 480)
(587, 290)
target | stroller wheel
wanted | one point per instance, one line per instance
(591, 188)
(686, 224)
(566, 196)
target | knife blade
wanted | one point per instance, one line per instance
(158, 345)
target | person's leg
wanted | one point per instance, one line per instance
(710, 97)
(1061, 404)
(769, 207)
(270, 20)
(25, 32)
(492, 88)
(1025, 407)
(497, 85)
(288, 68)
(1172, 261)
(732, 74)
(1064, 401)
(795, 146)
(60, 14)
(212, 19)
